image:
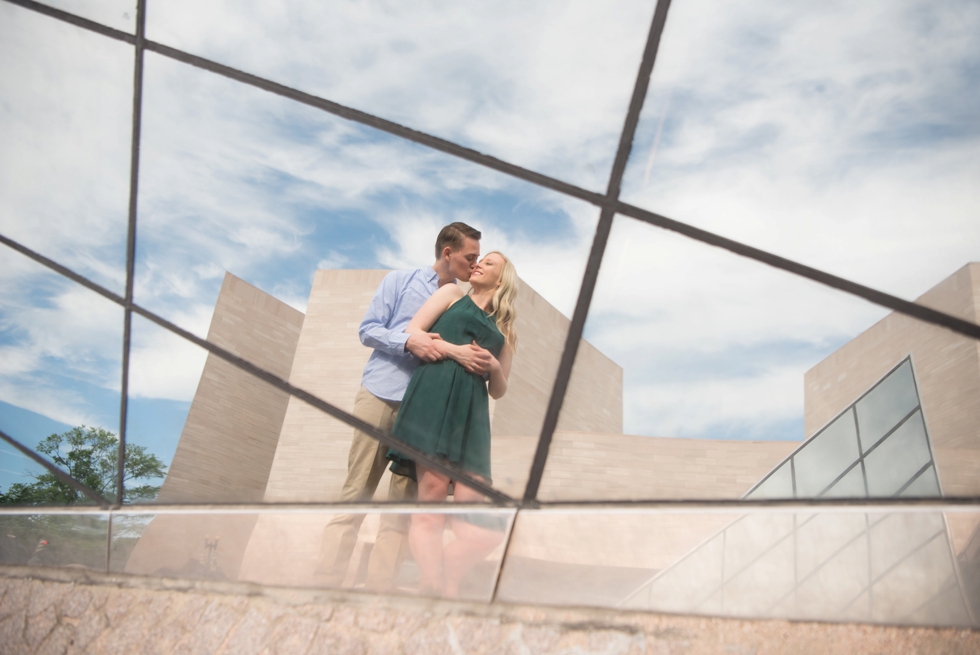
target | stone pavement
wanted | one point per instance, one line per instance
(79, 611)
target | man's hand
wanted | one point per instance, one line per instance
(473, 358)
(423, 346)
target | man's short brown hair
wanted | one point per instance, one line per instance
(454, 235)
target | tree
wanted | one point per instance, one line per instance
(90, 455)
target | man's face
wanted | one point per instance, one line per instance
(462, 262)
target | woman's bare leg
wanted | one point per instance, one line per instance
(425, 533)
(471, 546)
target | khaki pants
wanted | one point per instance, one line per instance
(365, 465)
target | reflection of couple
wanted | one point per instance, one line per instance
(464, 343)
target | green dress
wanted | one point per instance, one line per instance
(445, 411)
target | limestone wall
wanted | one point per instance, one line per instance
(230, 436)
(232, 429)
(947, 368)
(311, 461)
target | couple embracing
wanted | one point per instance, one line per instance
(437, 354)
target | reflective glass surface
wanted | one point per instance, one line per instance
(237, 180)
(898, 458)
(120, 14)
(165, 372)
(60, 348)
(302, 214)
(368, 551)
(823, 459)
(806, 130)
(851, 485)
(54, 540)
(779, 484)
(899, 567)
(926, 484)
(829, 464)
(886, 405)
(719, 367)
(66, 104)
(540, 84)
(266, 226)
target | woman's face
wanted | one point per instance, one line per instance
(487, 272)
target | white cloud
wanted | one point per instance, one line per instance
(65, 128)
(120, 14)
(711, 408)
(541, 84)
(165, 366)
(843, 135)
(804, 130)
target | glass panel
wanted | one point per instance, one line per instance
(803, 121)
(18, 473)
(713, 356)
(894, 537)
(929, 569)
(825, 457)
(834, 579)
(765, 564)
(886, 405)
(60, 347)
(600, 559)
(849, 486)
(777, 485)
(66, 101)
(897, 458)
(303, 549)
(120, 14)
(299, 216)
(924, 486)
(744, 595)
(54, 540)
(821, 537)
(534, 83)
(166, 373)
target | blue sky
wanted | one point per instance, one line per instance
(843, 136)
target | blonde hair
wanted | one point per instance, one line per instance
(502, 304)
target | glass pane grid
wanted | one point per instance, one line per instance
(828, 566)
(879, 447)
(889, 464)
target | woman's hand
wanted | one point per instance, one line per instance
(472, 358)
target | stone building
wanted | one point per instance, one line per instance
(898, 401)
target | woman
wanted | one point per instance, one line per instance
(446, 413)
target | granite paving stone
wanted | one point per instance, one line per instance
(89, 613)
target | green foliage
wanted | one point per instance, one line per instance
(91, 456)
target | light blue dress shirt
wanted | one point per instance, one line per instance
(395, 302)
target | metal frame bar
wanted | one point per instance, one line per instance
(609, 203)
(134, 176)
(577, 326)
(631, 507)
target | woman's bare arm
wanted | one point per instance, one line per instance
(433, 308)
(500, 371)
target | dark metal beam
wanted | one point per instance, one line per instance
(134, 177)
(584, 301)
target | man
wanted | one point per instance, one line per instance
(383, 384)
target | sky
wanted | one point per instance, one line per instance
(846, 137)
